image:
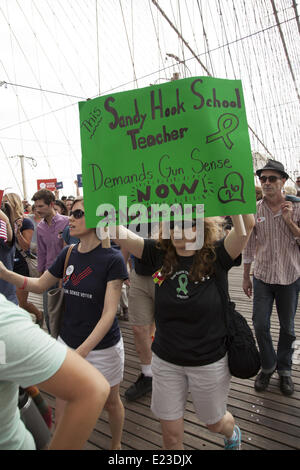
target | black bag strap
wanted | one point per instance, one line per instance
(227, 303)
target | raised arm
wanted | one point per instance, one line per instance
(29, 284)
(129, 241)
(236, 241)
(287, 215)
(24, 237)
(85, 390)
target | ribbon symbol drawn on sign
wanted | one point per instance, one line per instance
(227, 123)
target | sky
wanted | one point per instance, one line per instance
(55, 53)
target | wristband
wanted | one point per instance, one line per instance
(24, 283)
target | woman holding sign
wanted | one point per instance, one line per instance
(92, 285)
(189, 352)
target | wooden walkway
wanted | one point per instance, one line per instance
(268, 420)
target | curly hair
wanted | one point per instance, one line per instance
(203, 263)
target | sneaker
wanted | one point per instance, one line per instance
(142, 386)
(262, 381)
(286, 385)
(235, 442)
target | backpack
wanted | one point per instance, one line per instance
(243, 355)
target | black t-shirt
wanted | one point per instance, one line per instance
(87, 275)
(189, 316)
(141, 268)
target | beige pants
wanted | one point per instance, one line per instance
(141, 299)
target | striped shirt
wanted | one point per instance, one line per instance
(3, 231)
(272, 244)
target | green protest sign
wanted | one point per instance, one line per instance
(184, 142)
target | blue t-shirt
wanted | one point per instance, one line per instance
(67, 237)
(87, 275)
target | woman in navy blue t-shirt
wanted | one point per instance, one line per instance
(92, 285)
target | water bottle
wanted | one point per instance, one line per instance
(34, 421)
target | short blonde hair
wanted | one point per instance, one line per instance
(290, 190)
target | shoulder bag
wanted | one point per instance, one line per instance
(56, 302)
(31, 261)
(243, 355)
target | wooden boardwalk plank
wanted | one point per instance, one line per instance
(268, 420)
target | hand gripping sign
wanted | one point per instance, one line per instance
(179, 144)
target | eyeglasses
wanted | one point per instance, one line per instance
(271, 178)
(77, 214)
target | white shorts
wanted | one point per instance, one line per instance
(109, 361)
(209, 387)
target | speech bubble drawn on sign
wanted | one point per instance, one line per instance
(227, 123)
(233, 189)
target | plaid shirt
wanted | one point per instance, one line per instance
(272, 244)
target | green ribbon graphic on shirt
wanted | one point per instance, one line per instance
(183, 282)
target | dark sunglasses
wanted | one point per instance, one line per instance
(272, 178)
(179, 224)
(77, 214)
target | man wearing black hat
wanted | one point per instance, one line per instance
(274, 243)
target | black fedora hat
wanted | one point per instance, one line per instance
(275, 166)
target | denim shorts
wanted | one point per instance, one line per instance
(208, 385)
